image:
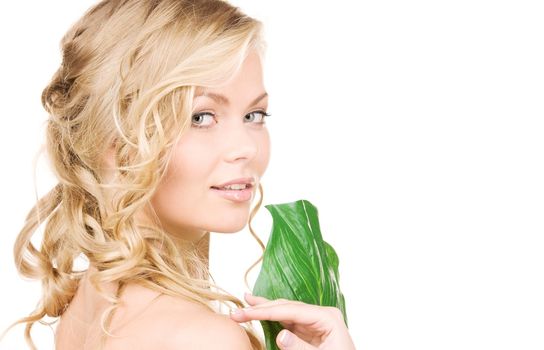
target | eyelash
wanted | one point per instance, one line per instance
(263, 113)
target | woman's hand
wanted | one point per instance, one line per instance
(308, 327)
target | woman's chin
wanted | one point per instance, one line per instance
(230, 227)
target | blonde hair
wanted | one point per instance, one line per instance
(126, 84)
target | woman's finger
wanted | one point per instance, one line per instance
(257, 302)
(304, 314)
(254, 299)
(288, 341)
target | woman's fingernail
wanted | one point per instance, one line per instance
(240, 312)
(286, 338)
(236, 312)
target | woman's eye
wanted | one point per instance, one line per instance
(198, 120)
(260, 120)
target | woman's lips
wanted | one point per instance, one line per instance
(249, 181)
(235, 195)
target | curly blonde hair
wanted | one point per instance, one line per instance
(126, 84)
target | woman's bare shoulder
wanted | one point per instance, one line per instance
(175, 323)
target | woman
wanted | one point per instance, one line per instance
(158, 107)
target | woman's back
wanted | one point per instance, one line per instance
(146, 320)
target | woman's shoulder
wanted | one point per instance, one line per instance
(188, 325)
(175, 323)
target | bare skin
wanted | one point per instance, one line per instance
(146, 320)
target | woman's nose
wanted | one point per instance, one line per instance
(241, 143)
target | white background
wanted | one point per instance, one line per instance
(416, 129)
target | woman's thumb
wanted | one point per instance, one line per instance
(288, 341)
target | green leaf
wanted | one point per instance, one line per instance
(297, 263)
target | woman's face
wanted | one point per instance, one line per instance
(228, 142)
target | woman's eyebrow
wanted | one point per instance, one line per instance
(222, 99)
